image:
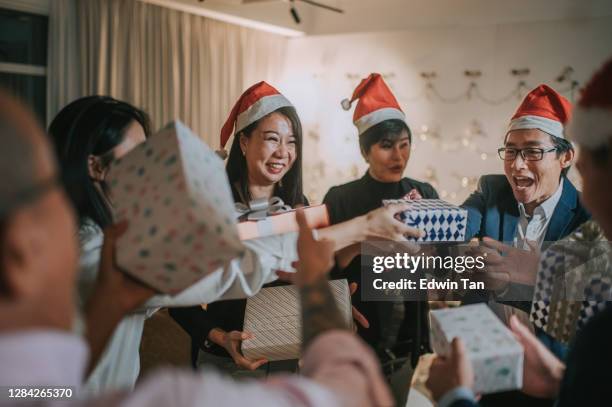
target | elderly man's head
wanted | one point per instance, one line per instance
(38, 247)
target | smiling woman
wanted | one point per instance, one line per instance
(265, 158)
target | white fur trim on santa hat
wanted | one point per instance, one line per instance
(378, 116)
(259, 109)
(590, 127)
(552, 127)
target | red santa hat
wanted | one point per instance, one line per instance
(376, 103)
(591, 125)
(256, 102)
(543, 109)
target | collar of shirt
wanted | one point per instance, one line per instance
(546, 208)
(42, 358)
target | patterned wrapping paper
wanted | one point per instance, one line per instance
(496, 355)
(285, 222)
(274, 317)
(174, 192)
(573, 283)
(442, 221)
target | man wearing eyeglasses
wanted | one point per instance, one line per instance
(534, 202)
(532, 205)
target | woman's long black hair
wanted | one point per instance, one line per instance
(91, 126)
(290, 188)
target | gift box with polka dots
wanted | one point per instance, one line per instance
(175, 195)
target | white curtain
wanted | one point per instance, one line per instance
(173, 64)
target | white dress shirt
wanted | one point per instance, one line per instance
(340, 370)
(534, 228)
(119, 365)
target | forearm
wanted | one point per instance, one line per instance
(319, 310)
(346, 233)
(101, 319)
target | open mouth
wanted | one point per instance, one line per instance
(522, 182)
(275, 168)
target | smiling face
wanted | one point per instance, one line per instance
(533, 182)
(270, 150)
(388, 158)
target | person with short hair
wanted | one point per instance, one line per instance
(385, 142)
(583, 380)
(38, 270)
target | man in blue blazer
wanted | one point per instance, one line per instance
(585, 379)
(533, 202)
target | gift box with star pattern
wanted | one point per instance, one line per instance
(496, 356)
(441, 221)
(174, 192)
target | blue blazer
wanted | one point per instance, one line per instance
(493, 211)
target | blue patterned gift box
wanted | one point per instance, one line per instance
(573, 284)
(441, 221)
(174, 192)
(496, 356)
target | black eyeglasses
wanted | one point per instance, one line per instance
(527, 154)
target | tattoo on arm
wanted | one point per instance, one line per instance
(319, 311)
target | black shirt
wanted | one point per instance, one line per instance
(357, 198)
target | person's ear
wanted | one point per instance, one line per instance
(19, 250)
(567, 158)
(95, 168)
(244, 141)
(364, 154)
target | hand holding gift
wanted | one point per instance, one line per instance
(383, 223)
(542, 371)
(450, 372)
(231, 342)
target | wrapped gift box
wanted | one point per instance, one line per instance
(574, 282)
(284, 222)
(274, 317)
(441, 221)
(174, 192)
(495, 354)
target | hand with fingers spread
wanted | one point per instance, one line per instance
(450, 372)
(505, 264)
(382, 223)
(542, 371)
(232, 342)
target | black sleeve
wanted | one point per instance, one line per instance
(196, 321)
(331, 200)
(587, 378)
(476, 206)
(430, 192)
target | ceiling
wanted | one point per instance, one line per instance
(384, 15)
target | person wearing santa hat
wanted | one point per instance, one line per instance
(533, 203)
(584, 379)
(265, 161)
(385, 143)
